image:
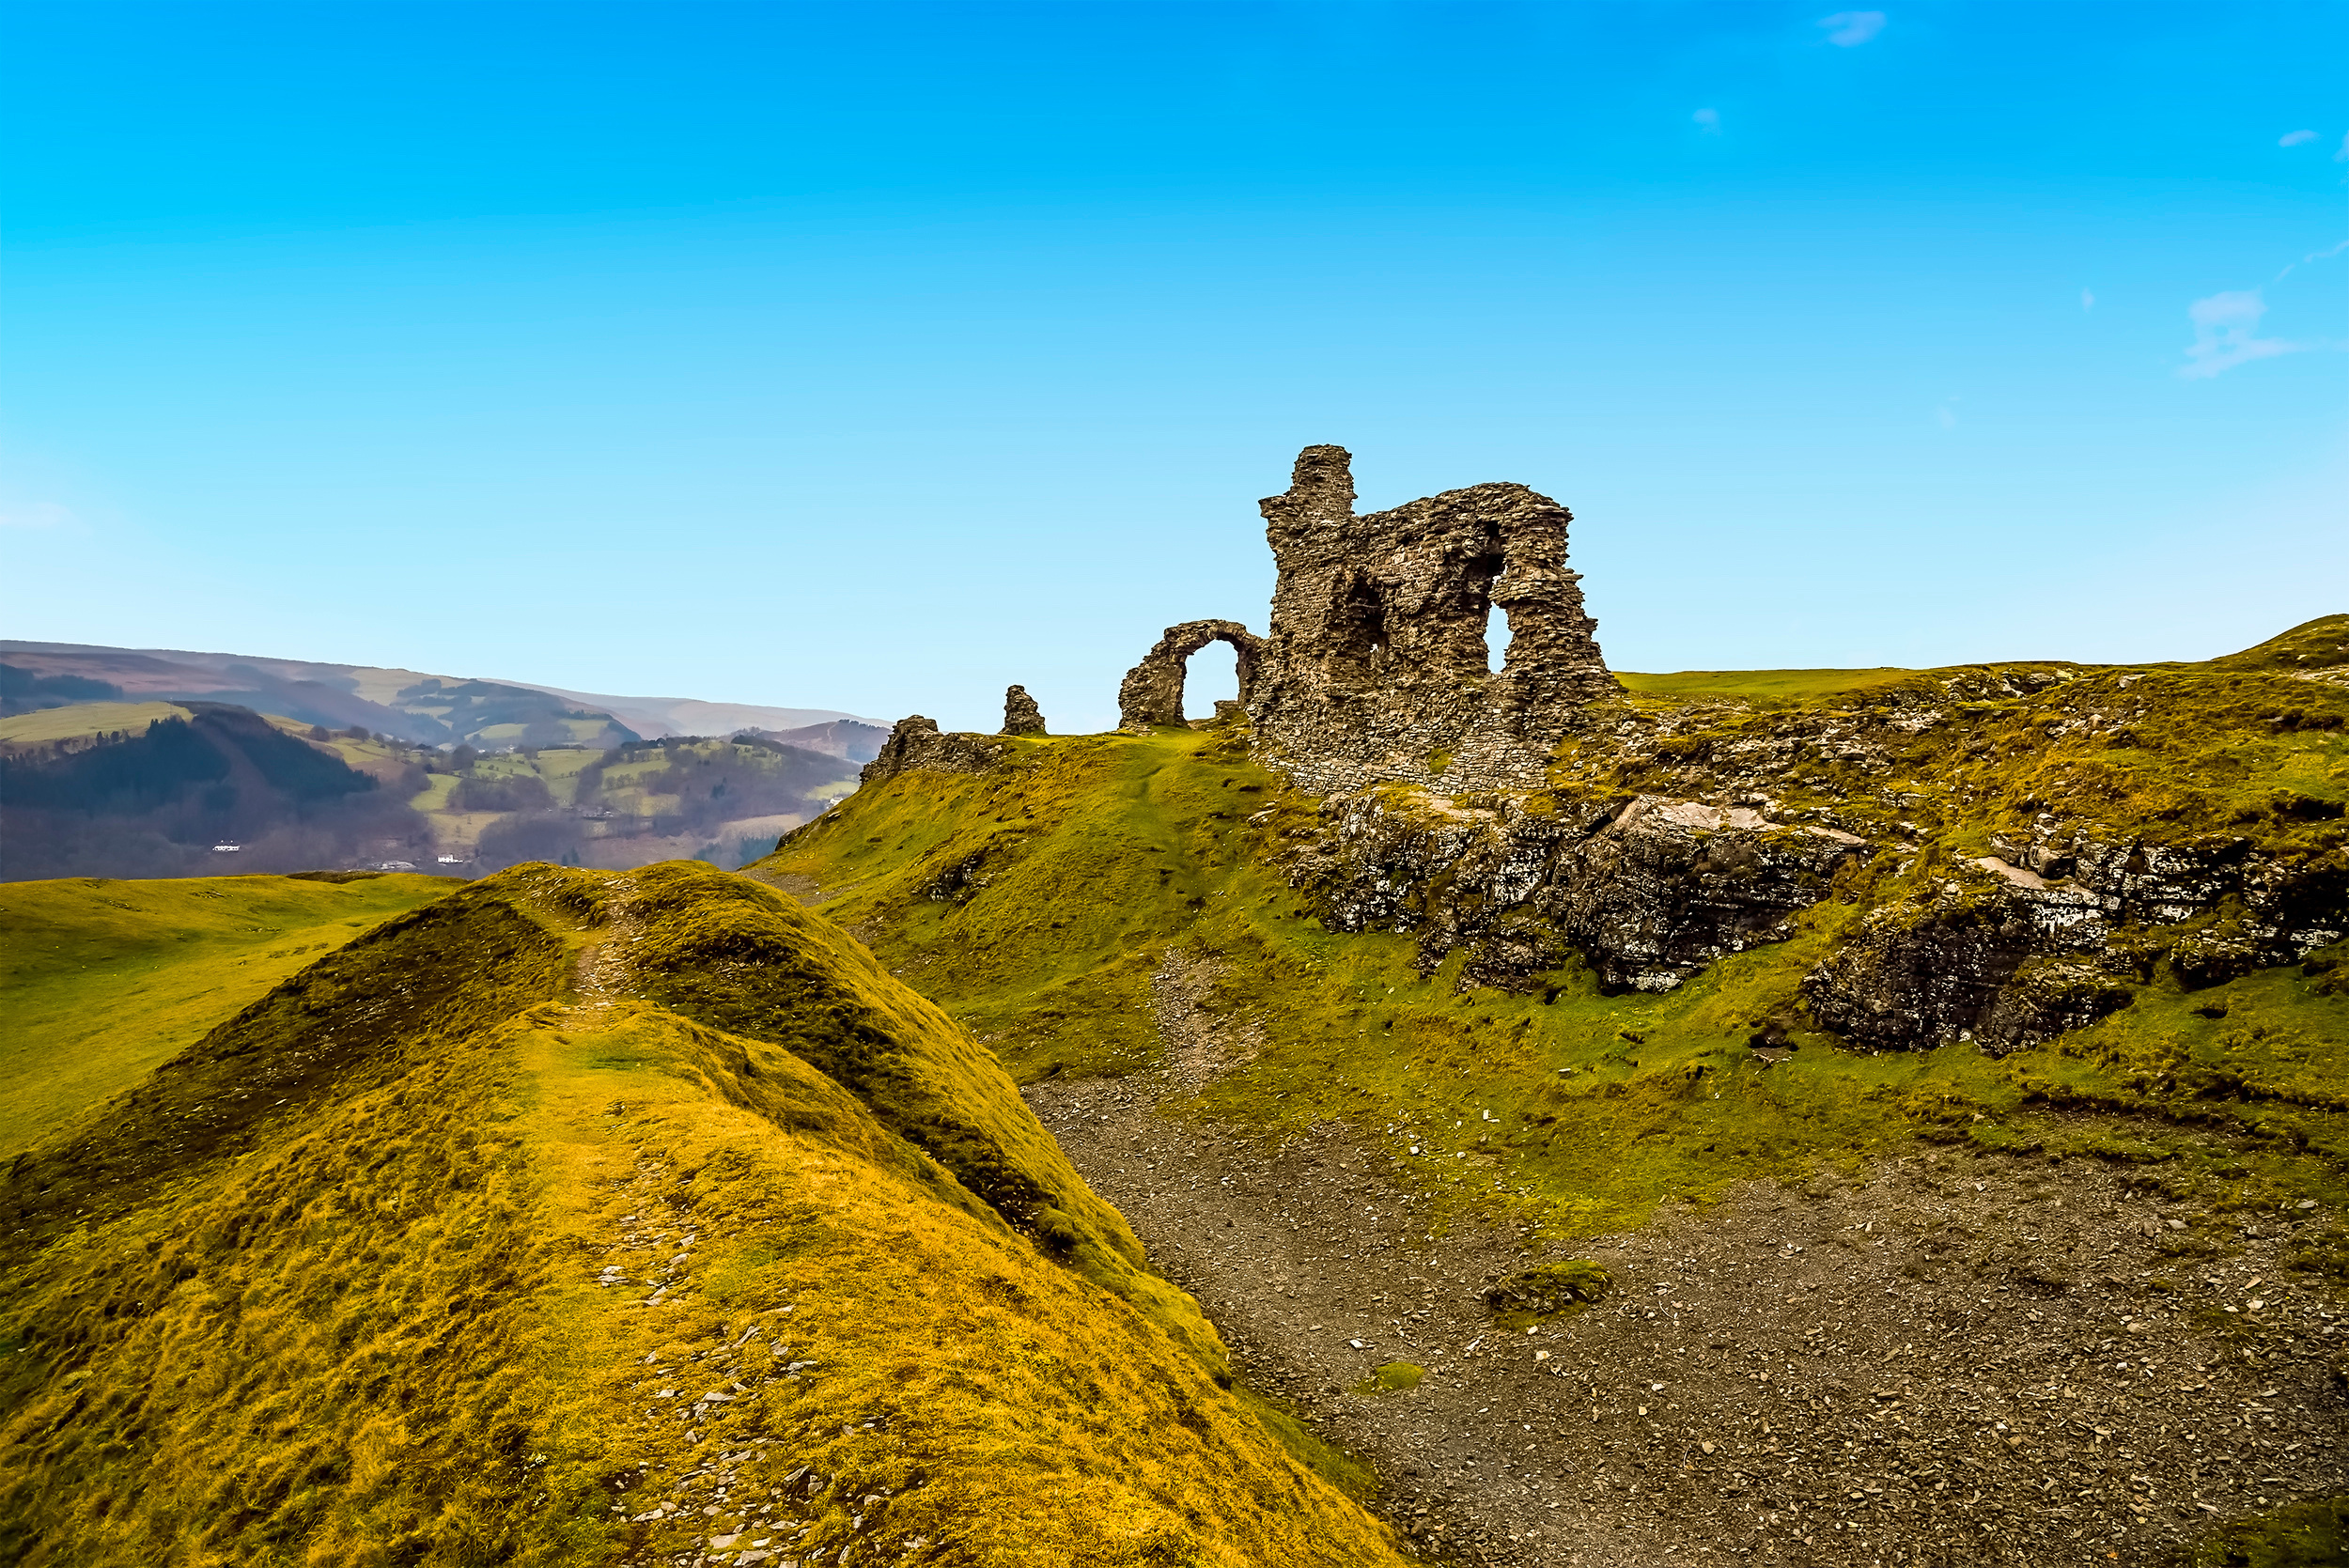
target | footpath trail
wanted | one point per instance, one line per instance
(700, 1492)
(1957, 1360)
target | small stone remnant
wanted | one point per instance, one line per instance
(915, 744)
(1376, 666)
(1152, 691)
(1020, 714)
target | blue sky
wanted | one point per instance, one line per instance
(874, 357)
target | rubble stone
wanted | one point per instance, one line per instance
(915, 744)
(1650, 890)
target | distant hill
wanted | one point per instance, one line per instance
(153, 800)
(187, 788)
(852, 739)
(655, 717)
(409, 705)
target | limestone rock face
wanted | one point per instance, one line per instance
(1678, 831)
(1020, 714)
(1376, 664)
(915, 744)
(1649, 889)
(1152, 691)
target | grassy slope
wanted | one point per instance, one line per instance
(83, 719)
(1764, 684)
(1032, 903)
(320, 1289)
(106, 979)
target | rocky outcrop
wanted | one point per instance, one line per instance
(1649, 889)
(1020, 714)
(915, 745)
(2000, 956)
(1378, 667)
(1152, 691)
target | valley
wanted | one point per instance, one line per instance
(120, 789)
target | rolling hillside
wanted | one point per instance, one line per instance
(1918, 1180)
(580, 1216)
(405, 705)
(106, 980)
(148, 789)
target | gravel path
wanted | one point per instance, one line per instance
(1955, 1360)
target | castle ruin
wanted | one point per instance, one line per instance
(1376, 666)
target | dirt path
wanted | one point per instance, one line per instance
(1963, 1360)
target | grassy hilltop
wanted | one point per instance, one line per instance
(591, 1216)
(1036, 902)
(107, 980)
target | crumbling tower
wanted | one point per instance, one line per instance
(1376, 666)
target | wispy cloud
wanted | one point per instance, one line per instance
(1849, 29)
(2088, 299)
(2294, 138)
(2342, 156)
(1710, 119)
(1946, 416)
(2325, 255)
(2226, 333)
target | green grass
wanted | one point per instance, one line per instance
(320, 1290)
(1767, 685)
(83, 719)
(1033, 903)
(107, 979)
(1394, 1377)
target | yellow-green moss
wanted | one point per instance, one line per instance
(323, 1288)
(1394, 1377)
(1570, 1111)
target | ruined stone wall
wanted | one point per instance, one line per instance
(1376, 664)
(914, 743)
(1020, 714)
(1152, 691)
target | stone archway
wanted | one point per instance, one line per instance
(1152, 691)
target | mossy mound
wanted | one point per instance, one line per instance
(1547, 1292)
(1394, 1377)
(2306, 1535)
(484, 1240)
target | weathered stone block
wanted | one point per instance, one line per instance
(1020, 714)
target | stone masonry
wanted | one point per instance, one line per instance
(1020, 714)
(1377, 665)
(1152, 691)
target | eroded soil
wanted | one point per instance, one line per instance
(1953, 1360)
